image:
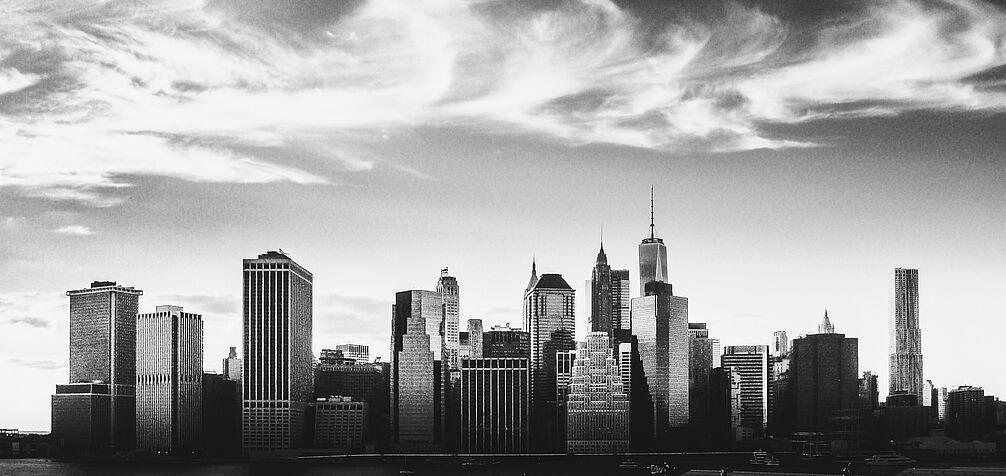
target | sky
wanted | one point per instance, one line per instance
(799, 152)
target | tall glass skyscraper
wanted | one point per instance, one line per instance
(549, 317)
(96, 410)
(652, 257)
(660, 323)
(278, 382)
(169, 381)
(906, 337)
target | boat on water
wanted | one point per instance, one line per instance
(889, 459)
(660, 469)
(762, 458)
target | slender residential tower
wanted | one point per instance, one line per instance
(906, 337)
(169, 381)
(652, 257)
(277, 381)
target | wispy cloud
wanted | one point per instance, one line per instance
(93, 93)
(30, 321)
(74, 230)
(37, 364)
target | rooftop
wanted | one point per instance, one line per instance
(551, 281)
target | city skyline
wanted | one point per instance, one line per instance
(793, 165)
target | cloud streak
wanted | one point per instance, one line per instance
(79, 230)
(91, 94)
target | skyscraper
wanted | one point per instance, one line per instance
(277, 381)
(700, 363)
(447, 287)
(906, 337)
(232, 365)
(967, 416)
(824, 378)
(96, 410)
(475, 338)
(597, 411)
(652, 257)
(752, 367)
(417, 378)
(780, 343)
(549, 317)
(620, 304)
(660, 323)
(494, 405)
(169, 380)
(600, 295)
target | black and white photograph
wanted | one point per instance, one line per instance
(502, 237)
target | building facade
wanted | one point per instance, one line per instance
(549, 317)
(906, 336)
(97, 409)
(221, 426)
(277, 384)
(505, 341)
(597, 409)
(358, 352)
(232, 365)
(700, 363)
(417, 374)
(339, 423)
(967, 418)
(824, 377)
(494, 405)
(780, 343)
(660, 323)
(363, 382)
(169, 381)
(752, 373)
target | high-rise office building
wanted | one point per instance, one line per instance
(652, 257)
(357, 352)
(475, 338)
(751, 363)
(967, 417)
(941, 404)
(621, 310)
(221, 425)
(339, 423)
(278, 382)
(169, 381)
(447, 288)
(96, 410)
(232, 365)
(494, 405)
(549, 317)
(780, 343)
(700, 363)
(417, 371)
(660, 323)
(362, 381)
(505, 341)
(906, 337)
(824, 377)
(600, 295)
(869, 393)
(608, 300)
(597, 409)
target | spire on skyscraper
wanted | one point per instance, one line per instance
(825, 327)
(601, 257)
(534, 276)
(651, 213)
